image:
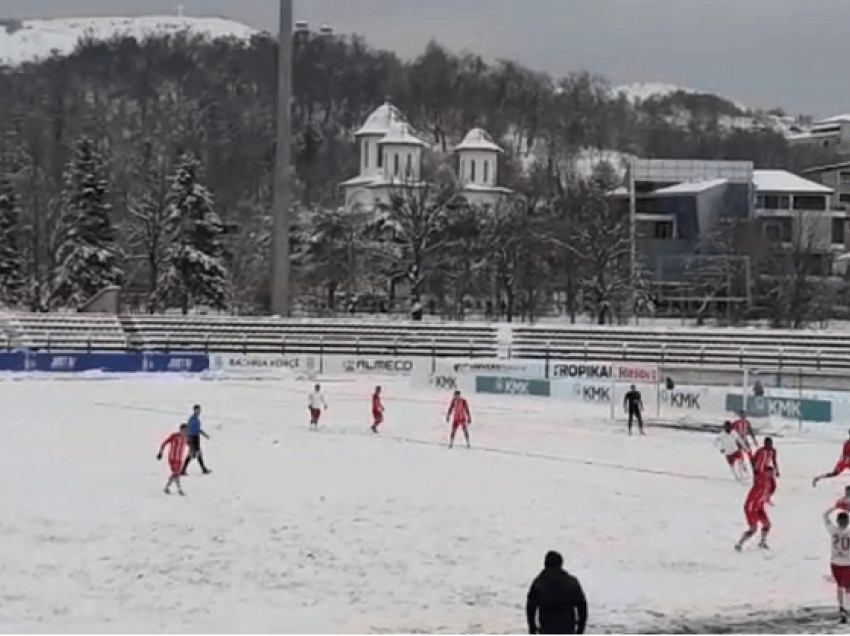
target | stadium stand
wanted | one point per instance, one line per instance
(63, 332)
(687, 347)
(270, 335)
(717, 348)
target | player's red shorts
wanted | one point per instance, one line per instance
(737, 456)
(176, 467)
(841, 574)
(377, 418)
(755, 516)
(841, 466)
(315, 414)
(459, 424)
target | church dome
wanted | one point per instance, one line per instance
(381, 120)
(478, 139)
(401, 134)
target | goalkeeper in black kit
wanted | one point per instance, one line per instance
(633, 404)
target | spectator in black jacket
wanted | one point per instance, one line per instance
(556, 600)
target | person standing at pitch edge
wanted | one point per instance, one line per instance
(195, 433)
(633, 403)
(556, 600)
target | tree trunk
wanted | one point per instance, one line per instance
(331, 296)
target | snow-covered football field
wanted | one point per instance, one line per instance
(343, 531)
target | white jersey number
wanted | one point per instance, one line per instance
(841, 548)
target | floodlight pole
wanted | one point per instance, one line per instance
(633, 234)
(280, 257)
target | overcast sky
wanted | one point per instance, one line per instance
(789, 53)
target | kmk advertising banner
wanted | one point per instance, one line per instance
(696, 403)
(499, 385)
(458, 374)
(608, 395)
(802, 409)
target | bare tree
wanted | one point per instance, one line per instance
(412, 227)
(148, 207)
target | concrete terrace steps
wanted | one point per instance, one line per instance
(75, 332)
(727, 348)
(739, 347)
(269, 335)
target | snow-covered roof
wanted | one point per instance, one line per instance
(835, 119)
(784, 181)
(401, 134)
(827, 168)
(361, 181)
(692, 187)
(381, 119)
(478, 139)
(379, 181)
(477, 187)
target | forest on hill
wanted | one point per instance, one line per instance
(149, 164)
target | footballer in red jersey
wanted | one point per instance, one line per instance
(763, 459)
(176, 444)
(460, 417)
(754, 508)
(842, 465)
(743, 427)
(377, 410)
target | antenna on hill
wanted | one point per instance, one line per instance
(180, 8)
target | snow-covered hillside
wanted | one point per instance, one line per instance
(641, 91)
(32, 40)
(750, 119)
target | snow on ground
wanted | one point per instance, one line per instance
(34, 40)
(344, 531)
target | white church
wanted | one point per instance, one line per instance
(391, 158)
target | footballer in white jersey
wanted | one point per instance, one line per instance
(316, 404)
(733, 448)
(839, 534)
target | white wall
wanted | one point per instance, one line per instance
(405, 154)
(480, 157)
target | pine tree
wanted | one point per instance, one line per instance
(194, 269)
(12, 284)
(87, 254)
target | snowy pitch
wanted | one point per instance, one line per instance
(343, 531)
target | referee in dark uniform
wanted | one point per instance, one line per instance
(195, 433)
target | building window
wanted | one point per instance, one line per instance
(395, 164)
(781, 229)
(365, 154)
(472, 171)
(380, 156)
(486, 172)
(408, 171)
(773, 202)
(838, 231)
(844, 177)
(809, 202)
(664, 230)
(844, 198)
